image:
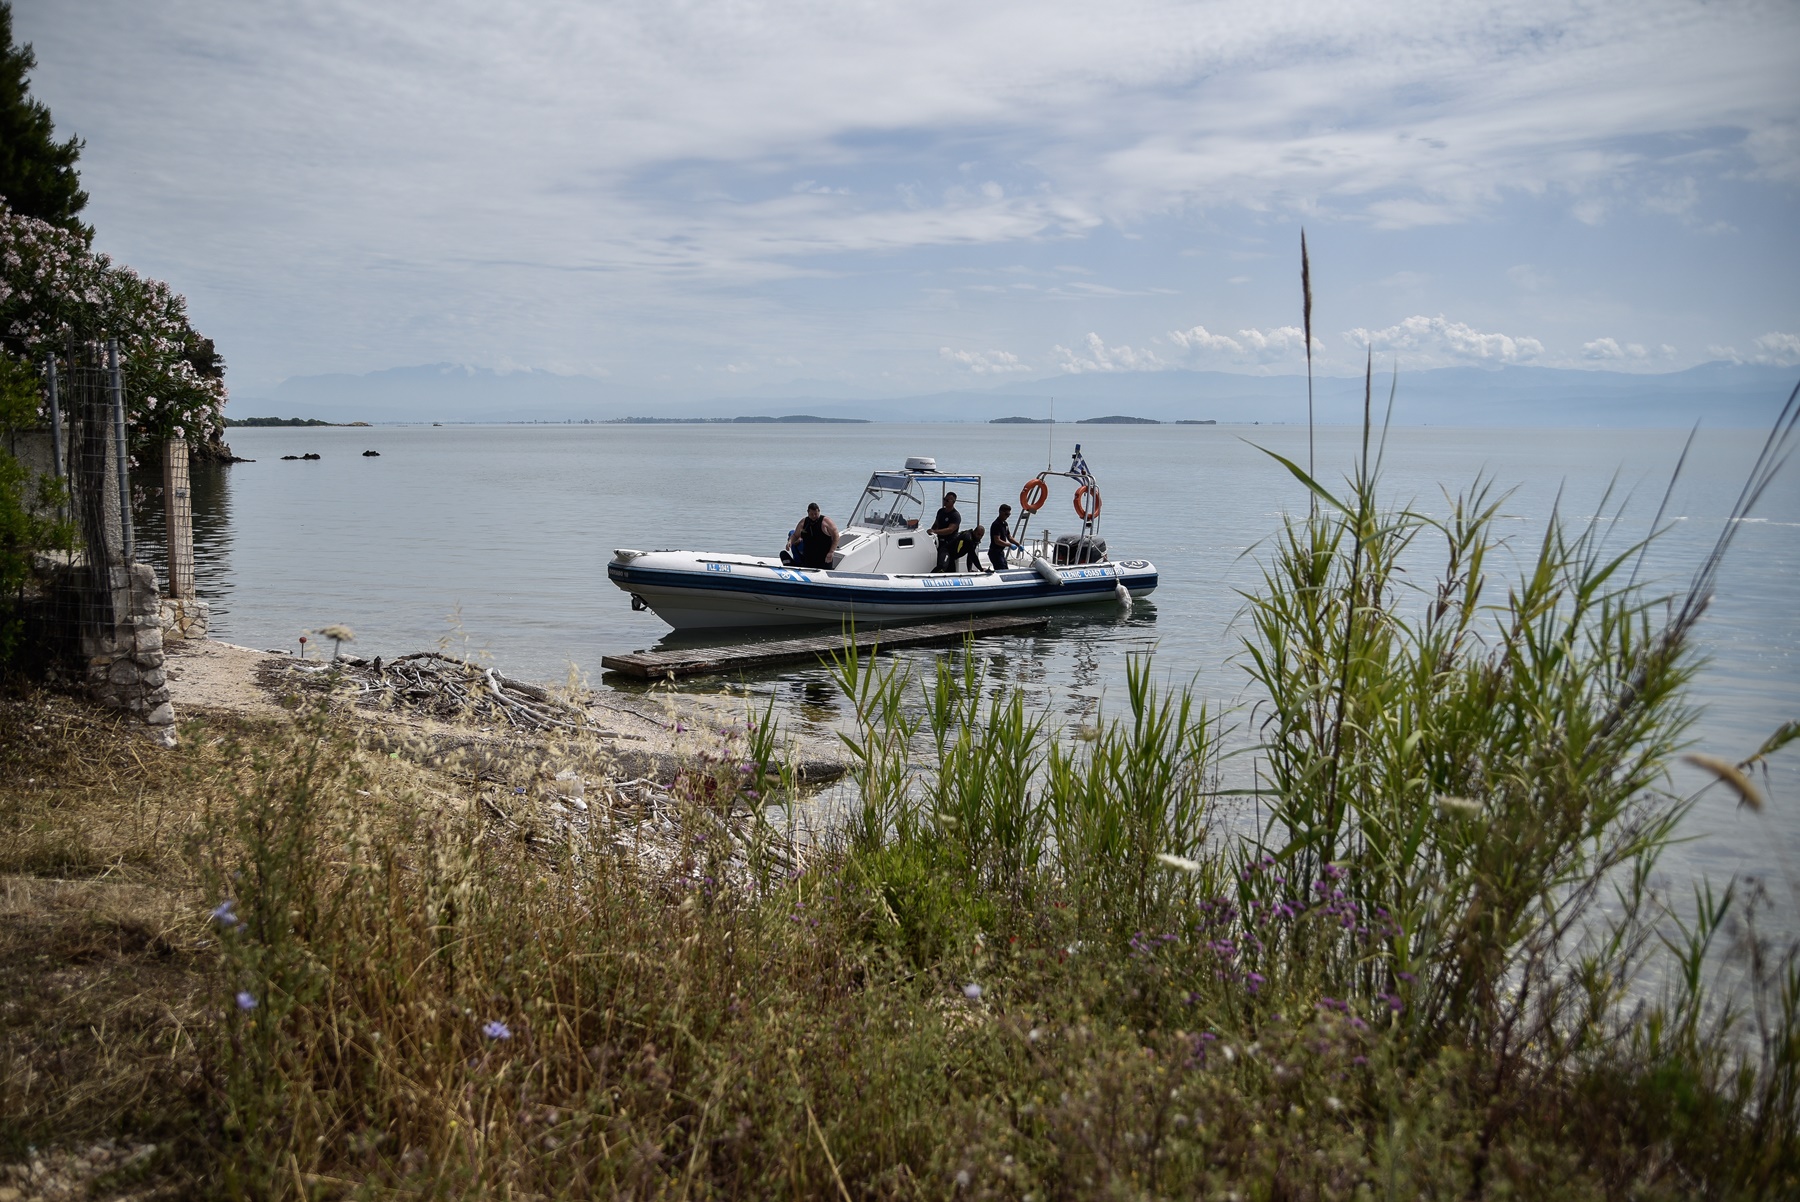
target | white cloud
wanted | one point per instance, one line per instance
(1530, 278)
(413, 181)
(1773, 349)
(1783, 350)
(984, 363)
(1253, 346)
(1438, 339)
(1612, 349)
(1097, 356)
(1590, 210)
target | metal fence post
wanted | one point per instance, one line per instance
(117, 384)
(56, 441)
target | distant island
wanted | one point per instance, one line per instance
(1191, 421)
(285, 421)
(792, 418)
(1118, 420)
(1021, 421)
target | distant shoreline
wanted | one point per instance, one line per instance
(789, 419)
(241, 423)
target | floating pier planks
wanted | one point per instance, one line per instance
(699, 661)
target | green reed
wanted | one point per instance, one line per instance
(1037, 966)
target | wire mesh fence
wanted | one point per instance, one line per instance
(98, 618)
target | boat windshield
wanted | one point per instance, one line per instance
(889, 502)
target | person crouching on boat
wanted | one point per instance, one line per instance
(944, 528)
(1000, 539)
(968, 547)
(814, 540)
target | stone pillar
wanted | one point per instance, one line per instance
(183, 615)
(125, 657)
(119, 608)
(178, 511)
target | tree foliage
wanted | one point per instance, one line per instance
(37, 173)
(28, 523)
(52, 287)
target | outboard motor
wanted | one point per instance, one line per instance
(1078, 548)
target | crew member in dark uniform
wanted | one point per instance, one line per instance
(814, 539)
(968, 546)
(944, 527)
(1000, 538)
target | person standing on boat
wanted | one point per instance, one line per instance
(814, 539)
(944, 527)
(1000, 538)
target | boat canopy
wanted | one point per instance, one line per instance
(894, 500)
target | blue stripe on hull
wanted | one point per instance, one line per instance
(687, 599)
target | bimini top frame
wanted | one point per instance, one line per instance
(898, 500)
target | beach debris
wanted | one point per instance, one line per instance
(569, 786)
(445, 687)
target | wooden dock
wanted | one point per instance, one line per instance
(700, 661)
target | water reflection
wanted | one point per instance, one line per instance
(210, 494)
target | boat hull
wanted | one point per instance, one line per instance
(692, 591)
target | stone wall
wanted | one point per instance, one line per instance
(185, 618)
(124, 659)
(36, 452)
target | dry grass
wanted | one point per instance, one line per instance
(338, 957)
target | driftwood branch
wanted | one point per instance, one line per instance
(445, 687)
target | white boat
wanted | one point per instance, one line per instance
(882, 568)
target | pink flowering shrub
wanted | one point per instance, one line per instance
(51, 285)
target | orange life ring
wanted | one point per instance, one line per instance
(1031, 497)
(1083, 494)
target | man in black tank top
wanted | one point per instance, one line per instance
(815, 538)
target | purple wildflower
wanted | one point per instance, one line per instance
(493, 1028)
(246, 1000)
(972, 991)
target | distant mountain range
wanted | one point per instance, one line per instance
(1717, 394)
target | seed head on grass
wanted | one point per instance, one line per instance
(338, 634)
(1732, 776)
(1459, 806)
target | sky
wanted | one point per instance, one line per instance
(688, 198)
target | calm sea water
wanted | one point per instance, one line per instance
(497, 538)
